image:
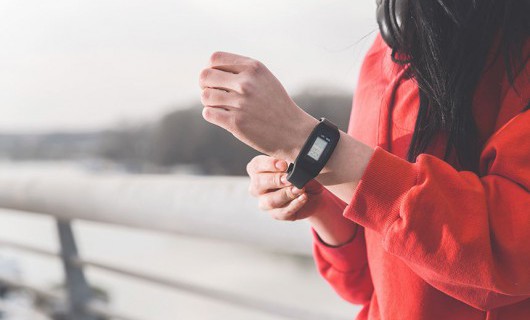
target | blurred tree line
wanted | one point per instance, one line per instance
(180, 138)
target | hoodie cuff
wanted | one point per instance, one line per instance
(345, 257)
(385, 182)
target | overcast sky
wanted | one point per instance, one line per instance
(89, 64)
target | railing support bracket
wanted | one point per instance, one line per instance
(79, 294)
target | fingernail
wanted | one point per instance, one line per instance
(279, 165)
(296, 191)
(284, 179)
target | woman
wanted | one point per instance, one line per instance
(423, 209)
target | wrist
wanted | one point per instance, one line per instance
(333, 229)
(300, 131)
(346, 167)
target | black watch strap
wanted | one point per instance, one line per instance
(298, 176)
(306, 167)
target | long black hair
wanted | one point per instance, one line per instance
(447, 44)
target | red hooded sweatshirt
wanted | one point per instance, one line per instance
(434, 242)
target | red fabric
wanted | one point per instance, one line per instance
(436, 242)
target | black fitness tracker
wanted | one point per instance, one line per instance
(314, 154)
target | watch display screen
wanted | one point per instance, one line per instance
(318, 148)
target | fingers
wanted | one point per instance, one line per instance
(216, 97)
(276, 195)
(266, 174)
(264, 163)
(279, 198)
(264, 182)
(216, 115)
(290, 211)
(212, 78)
(229, 62)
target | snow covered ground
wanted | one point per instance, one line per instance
(19, 306)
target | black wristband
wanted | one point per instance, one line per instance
(298, 176)
(314, 154)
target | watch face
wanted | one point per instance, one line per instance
(318, 148)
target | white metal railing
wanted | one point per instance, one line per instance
(213, 207)
(207, 207)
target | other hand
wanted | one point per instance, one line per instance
(276, 195)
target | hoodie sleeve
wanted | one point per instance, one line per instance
(344, 267)
(466, 235)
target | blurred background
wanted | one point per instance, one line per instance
(101, 129)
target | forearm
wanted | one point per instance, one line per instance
(340, 176)
(344, 170)
(332, 228)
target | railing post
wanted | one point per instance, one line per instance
(78, 292)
